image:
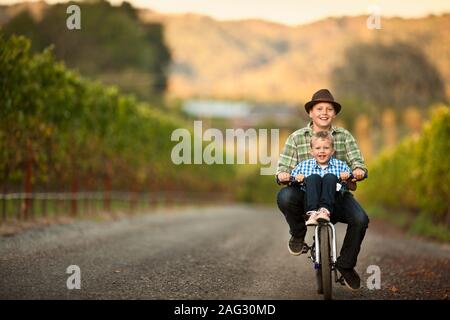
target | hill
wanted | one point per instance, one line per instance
(261, 60)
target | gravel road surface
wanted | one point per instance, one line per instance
(232, 252)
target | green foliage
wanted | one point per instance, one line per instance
(425, 226)
(415, 176)
(383, 75)
(256, 188)
(434, 148)
(421, 224)
(112, 42)
(74, 130)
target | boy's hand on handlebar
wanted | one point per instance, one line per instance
(345, 176)
(299, 177)
(284, 177)
(358, 174)
(351, 183)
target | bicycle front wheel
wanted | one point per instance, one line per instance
(325, 261)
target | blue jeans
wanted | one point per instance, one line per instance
(320, 192)
(347, 210)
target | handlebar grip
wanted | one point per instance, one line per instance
(353, 179)
(288, 182)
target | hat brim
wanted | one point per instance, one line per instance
(310, 104)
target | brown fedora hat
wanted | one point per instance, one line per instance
(323, 95)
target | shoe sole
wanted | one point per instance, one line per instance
(294, 253)
(347, 285)
(350, 288)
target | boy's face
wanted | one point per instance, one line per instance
(322, 150)
(322, 114)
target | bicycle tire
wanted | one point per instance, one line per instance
(319, 281)
(325, 261)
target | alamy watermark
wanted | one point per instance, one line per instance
(374, 19)
(74, 280)
(250, 143)
(73, 22)
(374, 280)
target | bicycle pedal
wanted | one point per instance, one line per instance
(305, 248)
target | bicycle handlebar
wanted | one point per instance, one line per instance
(293, 181)
(353, 179)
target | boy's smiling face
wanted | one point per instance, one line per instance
(322, 114)
(322, 150)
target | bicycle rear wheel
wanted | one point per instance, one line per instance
(325, 261)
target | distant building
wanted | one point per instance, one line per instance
(216, 109)
(246, 115)
(243, 114)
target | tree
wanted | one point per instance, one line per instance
(113, 45)
(379, 75)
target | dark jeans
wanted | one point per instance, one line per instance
(320, 192)
(291, 199)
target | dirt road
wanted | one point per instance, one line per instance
(236, 252)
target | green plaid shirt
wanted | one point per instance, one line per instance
(297, 149)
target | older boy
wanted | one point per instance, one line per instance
(322, 109)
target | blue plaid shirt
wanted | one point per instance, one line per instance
(310, 166)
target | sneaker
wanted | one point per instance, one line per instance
(295, 245)
(312, 220)
(351, 278)
(323, 215)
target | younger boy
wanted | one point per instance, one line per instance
(321, 175)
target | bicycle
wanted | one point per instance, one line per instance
(323, 252)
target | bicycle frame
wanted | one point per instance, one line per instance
(317, 243)
(324, 269)
(324, 273)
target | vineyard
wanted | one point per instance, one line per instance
(60, 132)
(413, 178)
(70, 145)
